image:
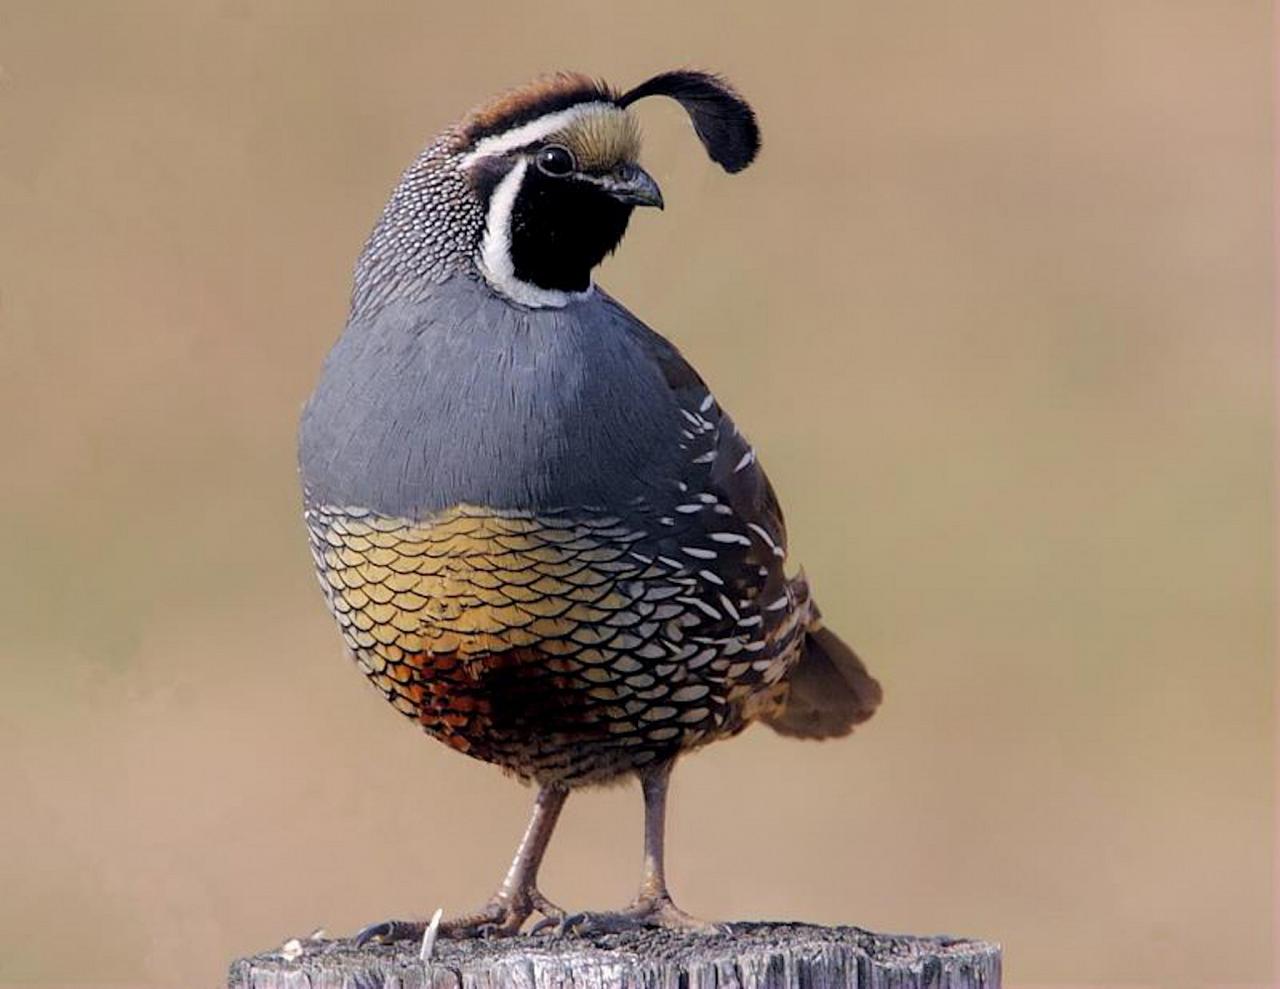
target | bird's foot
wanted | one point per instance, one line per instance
(389, 931)
(502, 916)
(657, 911)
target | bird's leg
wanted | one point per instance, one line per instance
(652, 906)
(518, 896)
(515, 900)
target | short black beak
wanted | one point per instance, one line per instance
(631, 184)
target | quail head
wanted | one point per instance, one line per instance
(542, 537)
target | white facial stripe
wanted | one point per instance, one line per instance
(534, 130)
(495, 250)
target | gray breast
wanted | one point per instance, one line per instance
(462, 397)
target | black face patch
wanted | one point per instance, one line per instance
(561, 228)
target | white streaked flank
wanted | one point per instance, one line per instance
(702, 606)
(763, 533)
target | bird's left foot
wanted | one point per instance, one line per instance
(657, 911)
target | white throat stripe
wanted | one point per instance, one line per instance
(495, 261)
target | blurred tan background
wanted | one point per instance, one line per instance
(994, 305)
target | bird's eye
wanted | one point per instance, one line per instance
(555, 160)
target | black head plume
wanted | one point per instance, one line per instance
(723, 120)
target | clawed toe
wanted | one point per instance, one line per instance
(389, 931)
(488, 922)
(501, 917)
(548, 924)
(471, 925)
(661, 913)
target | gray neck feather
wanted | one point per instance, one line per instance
(464, 398)
(428, 231)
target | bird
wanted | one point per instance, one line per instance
(542, 537)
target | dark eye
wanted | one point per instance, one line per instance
(555, 160)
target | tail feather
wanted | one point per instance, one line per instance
(830, 690)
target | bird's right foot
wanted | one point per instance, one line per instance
(649, 911)
(503, 916)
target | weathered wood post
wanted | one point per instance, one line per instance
(747, 956)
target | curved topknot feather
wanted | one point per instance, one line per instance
(723, 120)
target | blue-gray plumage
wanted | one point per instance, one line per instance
(542, 537)
(461, 397)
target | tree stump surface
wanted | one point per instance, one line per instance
(747, 956)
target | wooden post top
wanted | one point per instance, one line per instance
(747, 956)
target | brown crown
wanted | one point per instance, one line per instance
(542, 96)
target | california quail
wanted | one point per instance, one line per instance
(542, 537)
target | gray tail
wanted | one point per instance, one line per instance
(830, 690)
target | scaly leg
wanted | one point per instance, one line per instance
(516, 899)
(652, 906)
